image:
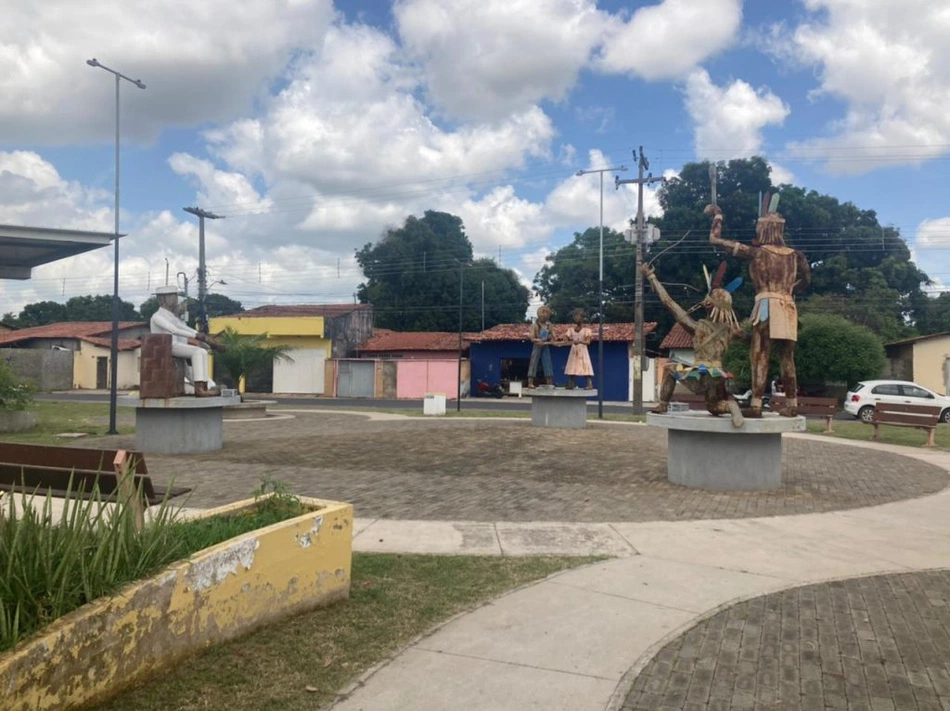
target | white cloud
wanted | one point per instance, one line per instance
(201, 61)
(667, 40)
(889, 63)
(933, 233)
(488, 58)
(728, 121)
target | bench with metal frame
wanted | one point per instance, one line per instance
(923, 417)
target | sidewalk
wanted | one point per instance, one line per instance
(578, 639)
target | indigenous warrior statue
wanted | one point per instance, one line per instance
(711, 337)
(777, 272)
(166, 320)
(542, 338)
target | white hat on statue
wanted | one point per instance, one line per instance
(166, 290)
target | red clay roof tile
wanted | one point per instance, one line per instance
(678, 337)
(67, 329)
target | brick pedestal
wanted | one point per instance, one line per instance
(162, 375)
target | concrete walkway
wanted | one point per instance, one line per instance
(578, 639)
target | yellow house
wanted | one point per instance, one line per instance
(60, 356)
(312, 333)
(924, 360)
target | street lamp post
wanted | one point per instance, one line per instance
(600, 326)
(114, 349)
(458, 399)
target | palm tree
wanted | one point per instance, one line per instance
(245, 354)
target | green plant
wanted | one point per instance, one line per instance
(275, 497)
(52, 564)
(244, 355)
(15, 394)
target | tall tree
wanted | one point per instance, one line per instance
(215, 304)
(571, 277)
(861, 270)
(413, 274)
(98, 308)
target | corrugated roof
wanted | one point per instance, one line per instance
(67, 329)
(678, 337)
(384, 340)
(296, 310)
(519, 331)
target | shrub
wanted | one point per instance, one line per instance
(15, 394)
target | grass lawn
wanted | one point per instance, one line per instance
(303, 662)
(54, 417)
(907, 436)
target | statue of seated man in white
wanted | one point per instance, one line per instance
(166, 320)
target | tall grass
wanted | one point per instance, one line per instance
(52, 564)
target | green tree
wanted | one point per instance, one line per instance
(98, 308)
(15, 394)
(216, 304)
(40, 314)
(244, 356)
(861, 269)
(571, 277)
(413, 273)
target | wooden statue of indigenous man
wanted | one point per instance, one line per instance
(711, 337)
(777, 272)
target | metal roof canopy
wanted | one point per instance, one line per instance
(22, 248)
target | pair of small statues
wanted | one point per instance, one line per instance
(578, 338)
(777, 272)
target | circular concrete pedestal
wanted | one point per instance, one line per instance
(179, 425)
(707, 452)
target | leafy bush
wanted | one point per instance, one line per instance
(832, 349)
(15, 394)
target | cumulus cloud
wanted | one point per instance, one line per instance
(728, 121)
(667, 40)
(201, 61)
(487, 58)
(933, 233)
(889, 63)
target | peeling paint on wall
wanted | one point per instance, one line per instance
(212, 571)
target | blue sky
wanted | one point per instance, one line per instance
(313, 126)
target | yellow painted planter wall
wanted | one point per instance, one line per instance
(217, 594)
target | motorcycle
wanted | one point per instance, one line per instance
(485, 389)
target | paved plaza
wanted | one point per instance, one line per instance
(830, 593)
(481, 469)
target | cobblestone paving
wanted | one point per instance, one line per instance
(880, 642)
(482, 470)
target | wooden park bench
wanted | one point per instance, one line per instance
(74, 471)
(694, 401)
(826, 407)
(923, 417)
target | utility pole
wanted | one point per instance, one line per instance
(202, 321)
(639, 361)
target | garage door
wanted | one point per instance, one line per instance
(303, 374)
(356, 378)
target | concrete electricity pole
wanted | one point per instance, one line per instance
(639, 362)
(202, 320)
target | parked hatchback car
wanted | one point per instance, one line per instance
(861, 399)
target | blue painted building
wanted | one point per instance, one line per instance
(502, 353)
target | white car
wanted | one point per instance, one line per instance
(861, 399)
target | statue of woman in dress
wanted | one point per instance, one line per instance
(578, 360)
